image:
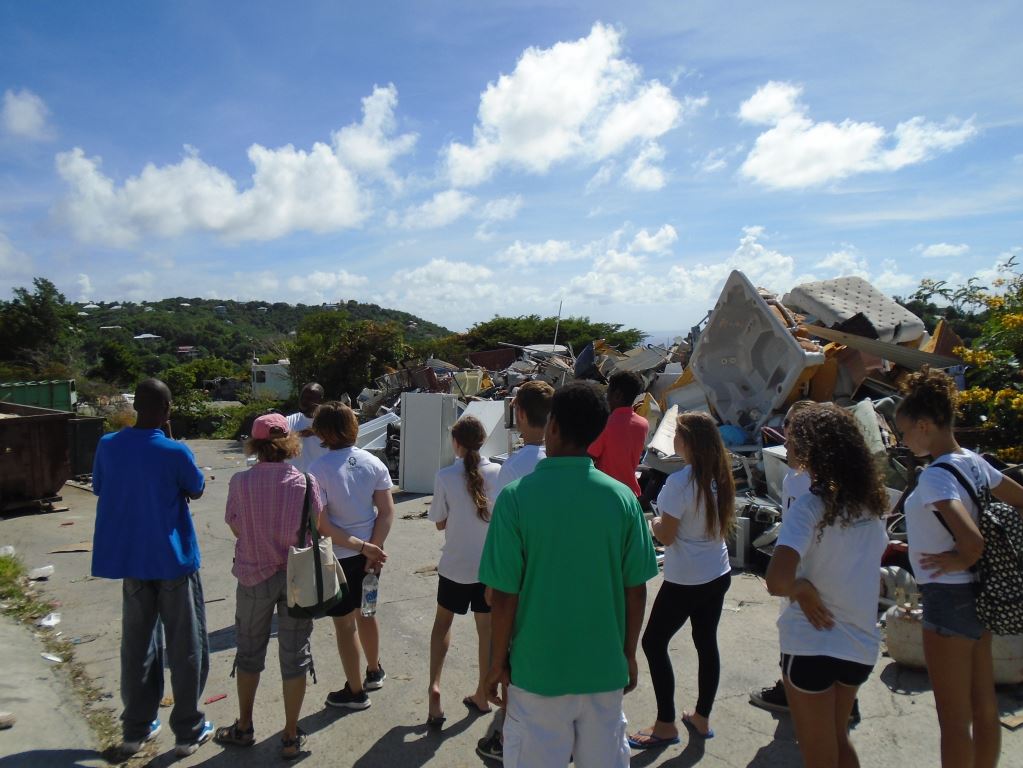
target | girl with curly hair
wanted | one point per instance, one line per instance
(463, 498)
(826, 563)
(697, 511)
(944, 542)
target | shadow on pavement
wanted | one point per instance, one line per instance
(903, 680)
(690, 756)
(393, 748)
(52, 758)
(782, 751)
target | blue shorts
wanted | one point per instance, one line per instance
(950, 610)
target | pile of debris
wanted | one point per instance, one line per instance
(840, 341)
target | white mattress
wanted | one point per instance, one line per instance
(835, 301)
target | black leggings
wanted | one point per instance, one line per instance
(674, 604)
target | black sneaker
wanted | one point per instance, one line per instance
(491, 747)
(345, 699)
(772, 699)
(374, 679)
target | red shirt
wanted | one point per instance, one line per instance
(620, 446)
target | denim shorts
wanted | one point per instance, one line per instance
(950, 610)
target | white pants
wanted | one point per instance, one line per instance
(546, 731)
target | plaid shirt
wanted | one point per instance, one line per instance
(264, 506)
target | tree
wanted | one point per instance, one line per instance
(117, 365)
(342, 355)
(39, 321)
(533, 329)
(186, 377)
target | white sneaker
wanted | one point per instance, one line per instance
(186, 748)
(129, 748)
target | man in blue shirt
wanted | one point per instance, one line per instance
(144, 536)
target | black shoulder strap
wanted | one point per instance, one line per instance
(965, 484)
(305, 526)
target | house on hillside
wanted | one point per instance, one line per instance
(272, 381)
(187, 353)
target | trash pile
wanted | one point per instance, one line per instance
(839, 340)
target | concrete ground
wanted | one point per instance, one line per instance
(899, 725)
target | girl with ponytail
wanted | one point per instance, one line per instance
(944, 542)
(463, 498)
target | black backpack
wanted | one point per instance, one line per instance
(1000, 568)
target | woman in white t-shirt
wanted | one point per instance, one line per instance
(944, 542)
(357, 515)
(697, 510)
(826, 562)
(463, 499)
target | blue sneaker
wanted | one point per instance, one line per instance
(186, 748)
(129, 748)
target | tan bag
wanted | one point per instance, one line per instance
(316, 582)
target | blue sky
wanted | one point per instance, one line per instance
(463, 159)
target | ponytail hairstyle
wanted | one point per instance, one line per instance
(711, 466)
(469, 433)
(929, 395)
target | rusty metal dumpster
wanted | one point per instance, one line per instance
(34, 458)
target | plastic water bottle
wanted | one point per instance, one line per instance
(370, 585)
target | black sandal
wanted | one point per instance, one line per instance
(435, 723)
(235, 736)
(292, 748)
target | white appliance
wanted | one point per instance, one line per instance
(426, 421)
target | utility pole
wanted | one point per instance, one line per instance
(557, 325)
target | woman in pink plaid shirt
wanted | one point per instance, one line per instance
(264, 510)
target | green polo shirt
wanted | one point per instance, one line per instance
(568, 540)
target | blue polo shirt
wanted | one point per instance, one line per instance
(143, 526)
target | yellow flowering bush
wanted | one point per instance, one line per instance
(994, 400)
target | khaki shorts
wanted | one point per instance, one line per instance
(254, 623)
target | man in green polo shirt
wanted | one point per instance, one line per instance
(567, 557)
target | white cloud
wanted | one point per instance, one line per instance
(659, 242)
(601, 178)
(844, 263)
(502, 209)
(439, 211)
(619, 261)
(942, 250)
(643, 173)
(368, 147)
(892, 280)
(698, 283)
(316, 190)
(321, 284)
(520, 254)
(576, 100)
(24, 115)
(717, 159)
(84, 287)
(13, 262)
(442, 271)
(797, 152)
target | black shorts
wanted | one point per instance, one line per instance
(816, 674)
(458, 598)
(354, 569)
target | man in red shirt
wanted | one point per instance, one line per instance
(620, 446)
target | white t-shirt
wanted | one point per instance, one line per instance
(844, 566)
(312, 448)
(465, 533)
(693, 557)
(348, 478)
(793, 485)
(925, 532)
(520, 464)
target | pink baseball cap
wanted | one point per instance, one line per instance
(269, 426)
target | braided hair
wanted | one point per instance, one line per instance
(469, 433)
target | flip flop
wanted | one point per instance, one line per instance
(474, 707)
(697, 732)
(435, 722)
(649, 741)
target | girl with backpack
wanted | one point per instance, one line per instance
(944, 543)
(826, 562)
(463, 499)
(697, 510)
